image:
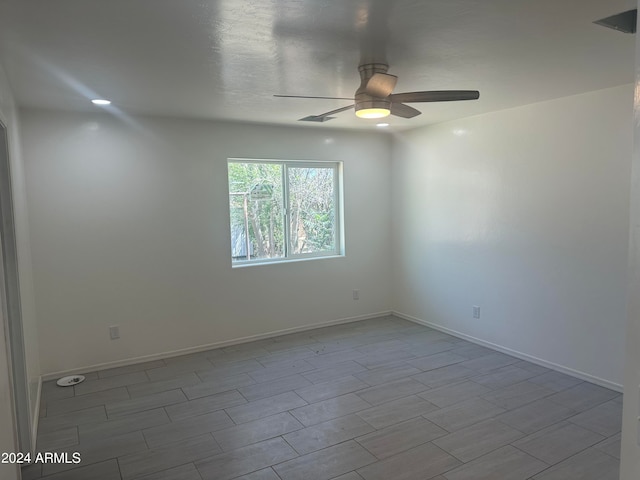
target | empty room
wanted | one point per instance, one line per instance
(319, 240)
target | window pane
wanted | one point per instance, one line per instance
(312, 210)
(255, 201)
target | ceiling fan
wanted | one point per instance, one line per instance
(374, 97)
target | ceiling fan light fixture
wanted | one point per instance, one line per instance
(373, 112)
(372, 108)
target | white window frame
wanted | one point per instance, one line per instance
(339, 250)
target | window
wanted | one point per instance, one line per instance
(282, 210)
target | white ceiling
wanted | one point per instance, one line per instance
(224, 59)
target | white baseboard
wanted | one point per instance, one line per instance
(210, 346)
(36, 417)
(538, 361)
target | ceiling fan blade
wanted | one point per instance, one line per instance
(435, 96)
(304, 96)
(381, 85)
(404, 111)
(325, 116)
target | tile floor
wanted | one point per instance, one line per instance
(379, 399)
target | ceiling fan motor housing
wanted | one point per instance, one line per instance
(362, 99)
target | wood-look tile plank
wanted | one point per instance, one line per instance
(148, 402)
(335, 371)
(256, 431)
(329, 409)
(588, 465)
(517, 395)
(477, 440)
(610, 446)
(257, 391)
(558, 442)
(107, 470)
(325, 464)
(535, 416)
(452, 394)
(605, 419)
(245, 460)
(489, 362)
(327, 359)
(351, 476)
(67, 405)
(264, 474)
(471, 350)
(400, 437)
(224, 370)
(125, 424)
(444, 376)
(57, 439)
(532, 367)
(464, 414)
(149, 388)
(167, 456)
(175, 369)
(99, 450)
(555, 381)
(332, 388)
(293, 354)
(438, 360)
(212, 387)
(326, 434)
(506, 463)
(583, 397)
(265, 407)
(182, 472)
(375, 360)
(424, 461)
(108, 383)
(391, 391)
(136, 367)
(504, 377)
(396, 411)
(382, 346)
(79, 417)
(204, 405)
(387, 374)
(186, 428)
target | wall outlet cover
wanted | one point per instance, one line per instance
(114, 332)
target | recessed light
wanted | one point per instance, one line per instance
(100, 101)
(382, 125)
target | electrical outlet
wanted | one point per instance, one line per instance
(476, 311)
(114, 332)
(356, 294)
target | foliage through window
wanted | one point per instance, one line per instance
(283, 209)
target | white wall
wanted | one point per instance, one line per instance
(523, 212)
(630, 460)
(130, 226)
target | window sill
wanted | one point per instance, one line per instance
(285, 260)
